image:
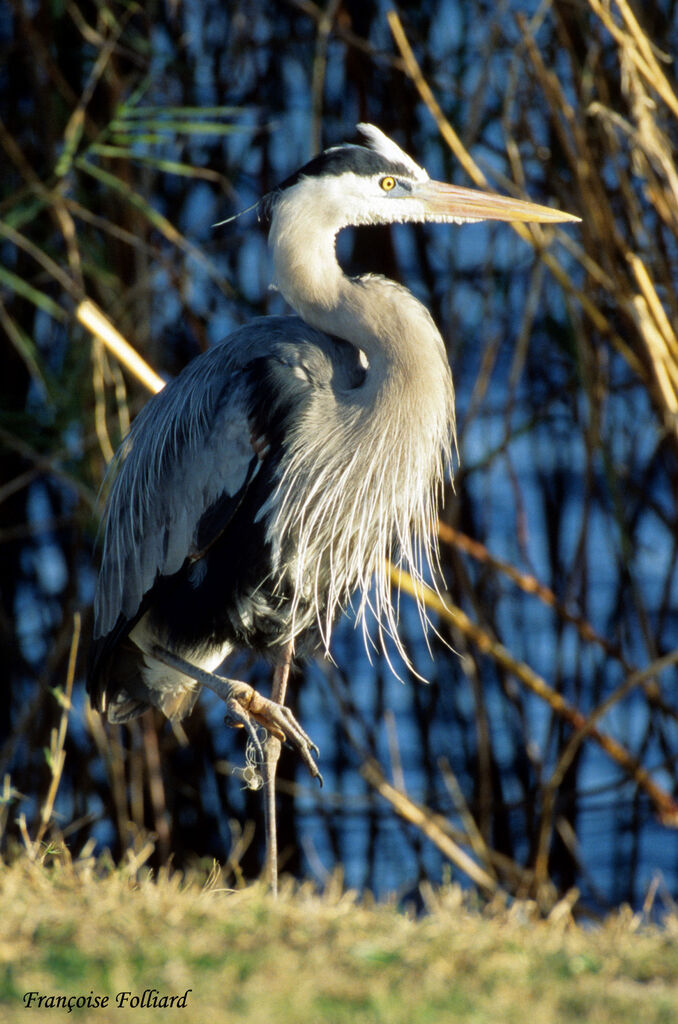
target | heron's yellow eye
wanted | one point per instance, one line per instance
(388, 183)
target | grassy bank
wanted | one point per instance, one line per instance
(75, 931)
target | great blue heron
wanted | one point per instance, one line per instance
(272, 479)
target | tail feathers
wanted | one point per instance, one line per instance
(119, 687)
(124, 708)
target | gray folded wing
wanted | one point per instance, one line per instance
(189, 448)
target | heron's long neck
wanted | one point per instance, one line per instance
(374, 486)
(394, 330)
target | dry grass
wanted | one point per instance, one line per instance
(75, 928)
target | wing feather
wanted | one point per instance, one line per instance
(195, 447)
(189, 449)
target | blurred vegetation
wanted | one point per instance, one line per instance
(542, 754)
(325, 957)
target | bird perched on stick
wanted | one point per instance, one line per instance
(271, 481)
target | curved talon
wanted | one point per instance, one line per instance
(246, 706)
(237, 716)
(278, 718)
(243, 704)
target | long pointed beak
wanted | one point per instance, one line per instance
(454, 202)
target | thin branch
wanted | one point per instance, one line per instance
(428, 823)
(665, 805)
(91, 317)
(57, 754)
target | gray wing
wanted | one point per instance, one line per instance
(194, 447)
(189, 448)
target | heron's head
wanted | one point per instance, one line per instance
(380, 184)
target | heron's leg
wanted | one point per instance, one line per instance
(245, 707)
(271, 756)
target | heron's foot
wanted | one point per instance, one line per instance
(245, 706)
(248, 708)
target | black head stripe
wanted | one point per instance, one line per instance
(341, 159)
(332, 163)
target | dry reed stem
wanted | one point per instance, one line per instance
(54, 202)
(654, 304)
(652, 154)
(636, 44)
(57, 753)
(91, 317)
(529, 585)
(99, 391)
(533, 234)
(343, 32)
(112, 755)
(567, 755)
(665, 805)
(51, 268)
(156, 787)
(475, 836)
(444, 127)
(449, 839)
(324, 26)
(659, 337)
(647, 158)
(428, 823)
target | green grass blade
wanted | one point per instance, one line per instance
(25, 346)
(160, 222)
(166, 166)
(178, 127)
(179, 111)
(21, 287)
